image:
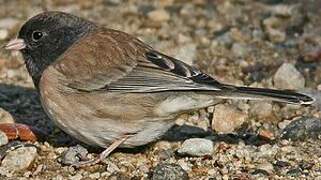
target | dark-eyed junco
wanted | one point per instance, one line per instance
(109, 89)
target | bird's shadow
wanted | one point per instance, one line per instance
(25, 107)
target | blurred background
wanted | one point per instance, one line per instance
(259, 43)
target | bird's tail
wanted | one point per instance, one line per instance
(285, 96)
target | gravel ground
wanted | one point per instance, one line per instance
(262, 43)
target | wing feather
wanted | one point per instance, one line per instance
(115, 61)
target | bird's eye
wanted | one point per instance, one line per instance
(37, 35)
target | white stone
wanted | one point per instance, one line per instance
(196, 147)
(288, 77)
(4, 34)
(3, 138)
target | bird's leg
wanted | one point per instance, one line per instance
(18, 131)
(103, 154)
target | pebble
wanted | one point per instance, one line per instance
(39, 169)
(187, 9)
(76, 177)
(240, 49)
(164, 3)
(95, 175)
(12, 73)
(3, 34)
(294, 172)
(257, 34)
(288, 77)
(226, 118)
(73, 155)
(262, 109)
(111, 167)
(19, 159)
(3, 138)
(281, 164)
(283, 10)
(166, 171)
(283, 124)
(266, 134)
(165, 154)
(119, 176)
(276, 36)
(311, 55)
(268, 167)
(185, 165)
(5, 172)
(5, 116)
(163, 145)
(27, 174)
(302, 128)
(224, 40)
(8, 23)
(187, 53)
(159, 15)
(58, 177)
(196, 147)
(114, 2)
(181, 38)
(273, 30)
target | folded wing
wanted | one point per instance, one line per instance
(115, 61)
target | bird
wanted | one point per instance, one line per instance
(109, 89)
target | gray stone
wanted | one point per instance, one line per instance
(73, 155)
(302, 128)
(196, 147)
(288, 77)
(166, 171)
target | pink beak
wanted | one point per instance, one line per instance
(15, 45)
